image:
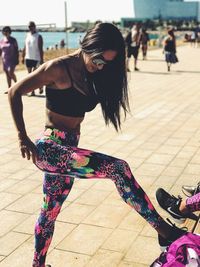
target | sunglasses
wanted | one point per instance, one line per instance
(98, 61)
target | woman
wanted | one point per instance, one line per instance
(144, 39)
(169, 49)
(75, 84)
(10, 55)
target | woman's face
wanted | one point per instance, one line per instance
(6, 33)
(97, 63)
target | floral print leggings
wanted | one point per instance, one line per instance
(62, 161)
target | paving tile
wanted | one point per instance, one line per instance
(192, 169)
(28, 203)
(75, 194)
(173, 171)
(61, 258)
(132, 222)
(27, 226)
(21, 174)
(23, 187)
(106, 216)
(149, 169)
(10, 220)
(11, 241)
(162, 159)
(85, 239)
(104, 184)
(21, 257)
(2, 258)
(92, 197)
(5, 183)
(75, 213)
(131, 264)
(84, 183)
(62, 230)
(141, 255)
(120, 240)
(114, 199)
(8, 198)
(105, 258)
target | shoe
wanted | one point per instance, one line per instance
(128, 70)
(40, 91)
(168, 68)
(32, 94)
(171, 205)
(175, 234)
(136, 69)
(191, 190)
(6, 92)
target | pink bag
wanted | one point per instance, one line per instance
(177, 253)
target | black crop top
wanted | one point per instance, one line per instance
(71, 102)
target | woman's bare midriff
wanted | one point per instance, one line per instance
(62, 122)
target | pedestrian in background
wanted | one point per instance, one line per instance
(10, 55)
(169, 48)
(32, 54)
(144, 40)
(133, 45)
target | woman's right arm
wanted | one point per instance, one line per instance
(45, 74)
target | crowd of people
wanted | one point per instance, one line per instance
(32, 53)
(138, 38)
(94, 74)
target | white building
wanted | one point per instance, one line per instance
(166, 9)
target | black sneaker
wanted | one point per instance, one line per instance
(191, 190)
(171, 205)
(175, 234)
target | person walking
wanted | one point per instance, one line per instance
(75, 84)
(169, 48)
(10, 55)
(133, 45)
(144, 40)
(32, 54)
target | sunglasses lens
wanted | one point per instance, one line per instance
(98, 61)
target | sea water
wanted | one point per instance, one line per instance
(51, 39)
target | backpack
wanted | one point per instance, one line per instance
(177, 254)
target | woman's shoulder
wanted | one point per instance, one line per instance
(13, 39)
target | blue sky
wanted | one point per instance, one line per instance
(20, 12)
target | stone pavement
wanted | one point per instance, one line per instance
(160, 141)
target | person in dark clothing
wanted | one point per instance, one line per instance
(144, 40)
(133, 45)
(169, 48)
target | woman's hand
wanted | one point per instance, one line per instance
(28, 149)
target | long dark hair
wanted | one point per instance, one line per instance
(111, 81)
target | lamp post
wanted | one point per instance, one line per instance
(66, 26)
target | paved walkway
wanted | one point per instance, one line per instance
(160, 141)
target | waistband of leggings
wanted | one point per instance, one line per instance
(59, 133)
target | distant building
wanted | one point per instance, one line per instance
(166, 9)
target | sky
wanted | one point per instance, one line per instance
(20, 12)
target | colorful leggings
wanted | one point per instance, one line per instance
(193, 203)
(62, 161)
